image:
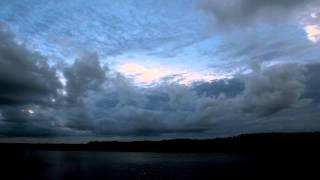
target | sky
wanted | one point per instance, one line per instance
(157, 69)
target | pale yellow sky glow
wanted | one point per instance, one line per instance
(148, 75)
(313, 33)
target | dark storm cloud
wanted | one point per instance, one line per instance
(273, 89)
(85, 74)
(29, 130)
(226, 87)
(312, 86)
(27, 83)
(241, 13)
(25, 76)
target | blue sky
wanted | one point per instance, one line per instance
(161, 34)
(124, 57)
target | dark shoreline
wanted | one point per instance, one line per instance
(271, 142)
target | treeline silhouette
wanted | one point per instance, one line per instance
(271, 142)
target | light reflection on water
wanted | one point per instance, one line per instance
(128, 165)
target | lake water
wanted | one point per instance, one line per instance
(123, 165)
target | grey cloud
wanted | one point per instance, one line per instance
(312, 90)
(18, 122)
(29, 130)
(273, 89)
(85, 74)
(227, 87)
(261, 95)
(269, 96)
(77, 118)
(245, 13)
(27, 84)
(265, 45)
(25, 76)
(67, 114)
(141, 110)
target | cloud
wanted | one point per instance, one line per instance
(25, 77)
(266, 93)
(30, 102)
(312, 86)
(85, 74)
(245, 13)
(224, 87)
(264, 30)
(273, 89)
(98, 102)
(276, 44)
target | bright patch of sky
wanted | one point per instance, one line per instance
(148, 75)
(30, 111)
(313, 33)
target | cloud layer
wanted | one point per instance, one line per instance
(276, 87)
(100, 103)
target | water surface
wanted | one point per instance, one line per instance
(125, 165)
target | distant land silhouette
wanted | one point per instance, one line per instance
(248, 142)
